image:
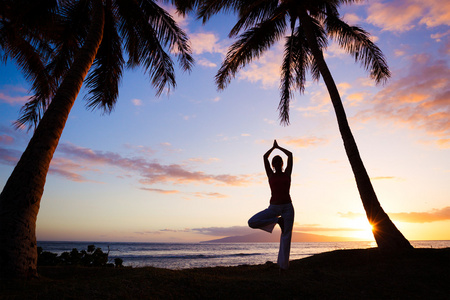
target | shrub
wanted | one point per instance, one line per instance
(94, 257)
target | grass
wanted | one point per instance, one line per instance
(341, 274)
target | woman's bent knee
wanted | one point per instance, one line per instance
(252, 224)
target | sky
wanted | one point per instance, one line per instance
(187, 166)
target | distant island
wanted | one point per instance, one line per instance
(264, 237)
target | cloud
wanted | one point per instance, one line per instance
(419, 100)
(224, 231)
(151, 172)
(141, 149)
(160, 191)
(383, 178)
(318, 228)
(136, 102)
(206, 42)
(265, 70)
(245, 230)
(59, 166)
(434, 215)
(209, 195)
(403, 15)
(423, 217)
(320, 100)
(270, 122)
(175, 230)
(351, 215)
(71, 169)
(196, 194)
(9, 156)
(204, 161)
(71, 161)
(206, 63)
(306, 142)
(438, 36)
(188, 117)
(351, 18)
(13, 100)
(6, 139)
(179, 18)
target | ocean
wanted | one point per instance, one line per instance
(199, 255)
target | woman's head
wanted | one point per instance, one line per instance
(277, 163)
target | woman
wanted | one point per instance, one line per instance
(280, 210)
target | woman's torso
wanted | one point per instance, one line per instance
(279, 186)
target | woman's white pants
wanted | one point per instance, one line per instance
(268, 218)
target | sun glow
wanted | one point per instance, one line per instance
(363, 227)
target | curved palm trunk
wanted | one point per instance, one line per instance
(21, 196)
(386, 234)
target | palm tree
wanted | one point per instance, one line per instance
(310, 24)
(89, 42)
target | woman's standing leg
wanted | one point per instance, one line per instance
(265, 220)
(287, 214)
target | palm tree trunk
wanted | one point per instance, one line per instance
(21, 196)
(386, 234)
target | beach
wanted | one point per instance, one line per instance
(420, 273)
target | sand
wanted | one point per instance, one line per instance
(341, 274)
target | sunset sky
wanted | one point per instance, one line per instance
(187, 166)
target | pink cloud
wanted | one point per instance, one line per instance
(420, 99)
(210, 195)
(13, 99)
(306, 142)
(265, 69)
(161, 191)
(6, 139)
(71, 161)
(403, 15)
(151, 172)
(434, 215)
(423, 217)
(68, 169)
(9, 156)
(206, 42)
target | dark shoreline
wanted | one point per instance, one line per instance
(420, 273)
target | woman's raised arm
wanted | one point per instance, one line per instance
(267, 166)
(290, 159)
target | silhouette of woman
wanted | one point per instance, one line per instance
(280, 210)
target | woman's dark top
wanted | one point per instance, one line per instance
(280, 185)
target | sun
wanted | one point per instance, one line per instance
(363, 229)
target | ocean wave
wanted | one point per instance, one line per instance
(182, 256)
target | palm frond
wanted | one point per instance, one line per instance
(208, 8)
(253, 12)
(74, 16)
(287, 81)
(145, 36)
(250, 45)
(184, 6)
(30, 62)
(31, 112)
(145, 48)
(25, 38)
(104, 77)
(170, 33)
(297, 60)
(356, 41)
(319, 33)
